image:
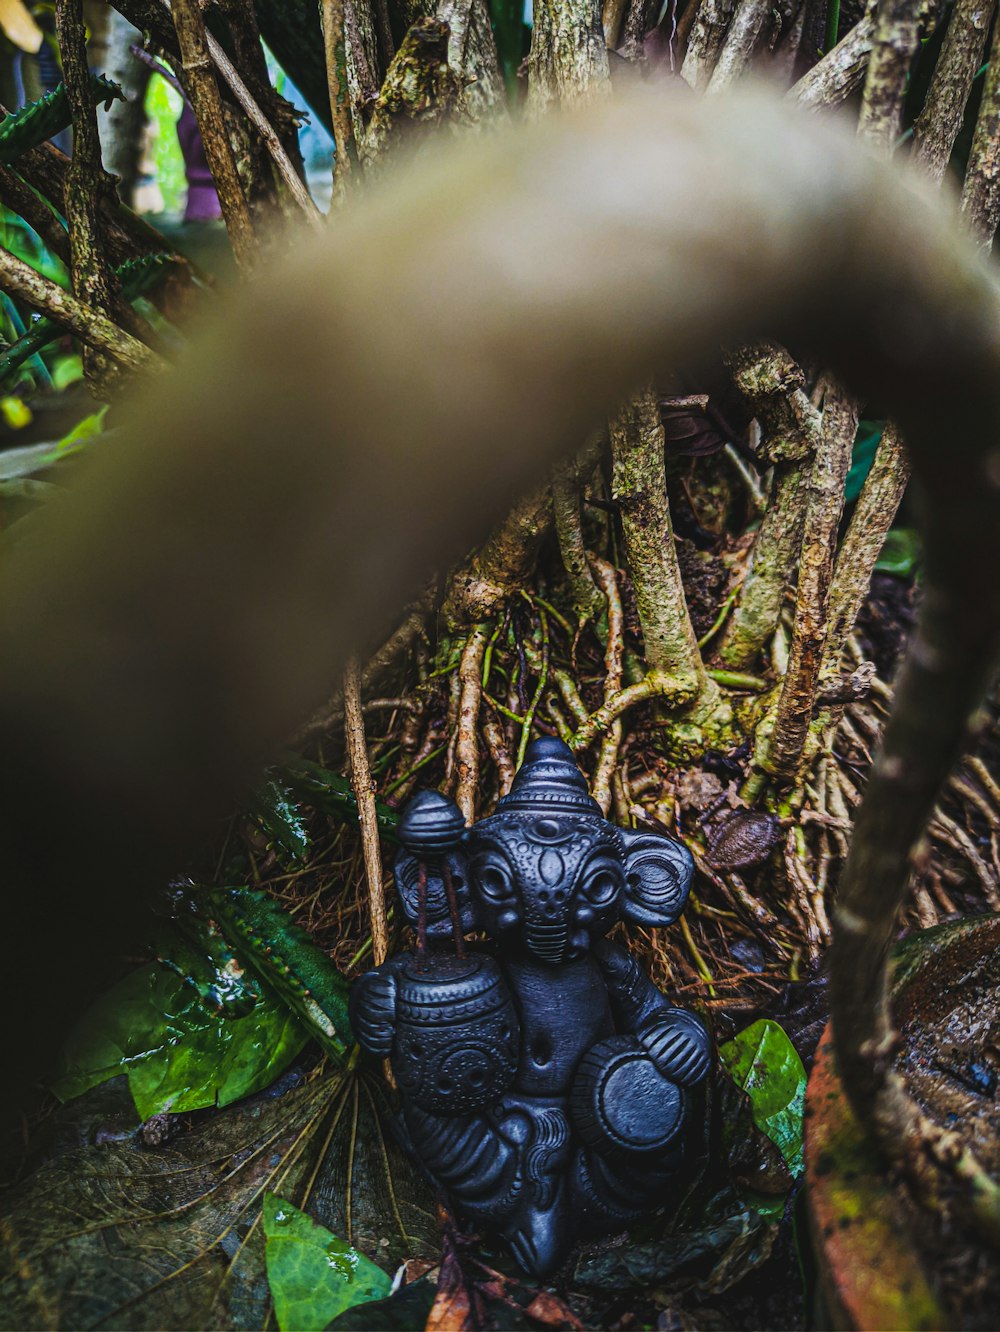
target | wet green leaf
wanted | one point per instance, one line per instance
(281, 821)
(763, 1062)
(332, 794)
(289, 960)
(181, 1049)
(313, 1275)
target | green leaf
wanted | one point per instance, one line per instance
(332, 794)
(901, 553)
(182, 1048)
(67, 370)
(313, 1275)
(31, 125)
(764, 1063)
(281, 821)
(865, 443)
(289, 960)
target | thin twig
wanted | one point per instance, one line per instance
(470, 677)
(364, 794)
(613, 657)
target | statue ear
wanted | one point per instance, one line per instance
(407, 870)
(658, 872)
(431, 830)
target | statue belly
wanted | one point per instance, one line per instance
(563, 1010)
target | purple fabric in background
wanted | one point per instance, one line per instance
(202, 200)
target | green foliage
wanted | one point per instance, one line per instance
(332, 794)
(507, 18)
(188, 1032)
(901, 553)
(33, 124)
(281, 821)
(108, 1232)
(313, 1276)
(163, 106)
(288, 959)
(865, 443)
(763, 1062)
(137, 276)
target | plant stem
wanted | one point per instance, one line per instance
(898, 30)
(470, 677)
(738, 680)
(77, 317)
(335, 42)
(874, 513)
(772, 383)
(364, 794)
(543, 676)
(832, 24)
(742, 39)
(639, 489)
(478, 589)
(567, 480)
(938, 125)
(841, 71)
(206, 102)
(981, 191)
(91, 276)
(780, 753)
(607, 759)
(705, 41)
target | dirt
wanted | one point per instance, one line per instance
(885, 622)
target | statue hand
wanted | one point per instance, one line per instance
(678, 1045)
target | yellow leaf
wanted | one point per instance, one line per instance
(19, 26)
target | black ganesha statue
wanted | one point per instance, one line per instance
(546, 1083)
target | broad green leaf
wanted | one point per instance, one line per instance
(181, 1048)
(313, 1275)
(764, 1063)
(67, 370)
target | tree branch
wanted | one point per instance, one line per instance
(82, 320)
(203, 94)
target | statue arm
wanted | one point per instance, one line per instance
(676, 1041)
(372, 1008)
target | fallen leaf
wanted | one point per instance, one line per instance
(313, 1276)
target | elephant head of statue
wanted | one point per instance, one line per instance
(546, 874)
